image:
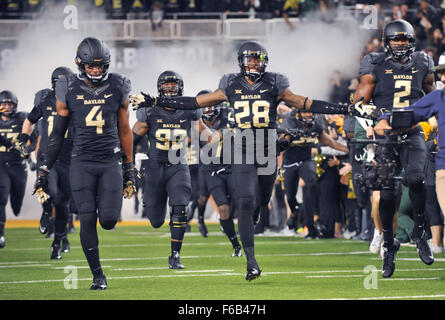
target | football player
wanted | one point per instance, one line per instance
(167, 174)
(94, 104)
(393, 79)
(217, 173)
(13, 171)
(254, 95)
(298, 162)
(58, 180)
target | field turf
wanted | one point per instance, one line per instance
(134, 259)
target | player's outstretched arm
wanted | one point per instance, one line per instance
(319, 106)
(183, 103)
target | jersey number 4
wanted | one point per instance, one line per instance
(94, 119)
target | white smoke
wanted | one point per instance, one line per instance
(308, 56)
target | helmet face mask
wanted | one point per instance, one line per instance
(252, 60)
(208, 113)
(92, 53)
(170, 84)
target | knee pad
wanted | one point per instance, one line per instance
(178, 217)
(109, 219)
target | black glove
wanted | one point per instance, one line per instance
(21, 145)
(41, 187)
(142, 100)
(129, 180)
(367, 111)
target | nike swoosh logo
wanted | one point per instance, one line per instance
(13, 126)
(182, 121)
(107, 95)
(262, 91)
(414, 71)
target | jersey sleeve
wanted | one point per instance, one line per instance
(141, 115)
(366, 66)
(224, 84)
(62, 89)
(282, 83)
(126, 89)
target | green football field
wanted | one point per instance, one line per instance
(134, 259)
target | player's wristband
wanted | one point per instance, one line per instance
(182, 103)
(319, 106)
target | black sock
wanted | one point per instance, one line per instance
(386, 211)
(90, 242)
(418, 201)
(177, 235)
(60, 222)
(229, 229)
(2, 229)
(201, 211)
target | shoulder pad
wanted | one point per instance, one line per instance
(422, 61)
(231, 77)
(21, 115)
(377, 57)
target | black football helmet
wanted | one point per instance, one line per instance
(59, 72)
(255, 50)
(170, 76)
(208, 113)
(399, 30)
(93, 52)
(7, 96)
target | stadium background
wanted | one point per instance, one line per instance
(201, 50)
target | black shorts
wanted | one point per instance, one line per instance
(97, 187)
(162, 182)
(293, 172)
(220, 186)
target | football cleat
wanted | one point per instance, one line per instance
(253, 273)
(424, 250)
(174, 262)
(203, 229)
(44, 223)
(56, 252)
(237, 252)
(65, 245)
(389, 259)
(99, 283)
(2, 242)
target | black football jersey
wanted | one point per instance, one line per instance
(300, 148)
(45, 109)
(255, 106)
(396, 85)
(215, 154)
(167, 132)
(10, 130)
(94, 115)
